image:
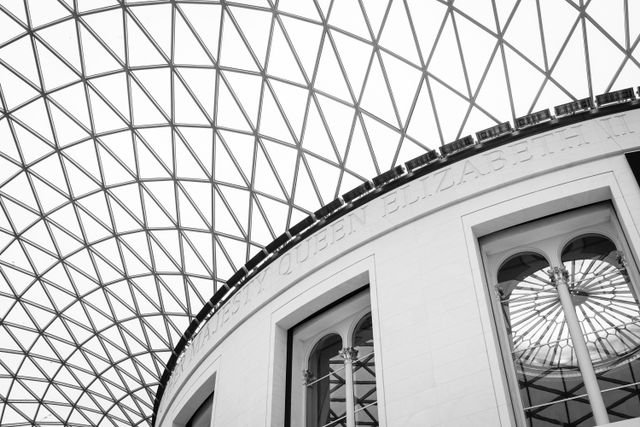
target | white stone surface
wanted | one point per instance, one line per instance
(437, 355)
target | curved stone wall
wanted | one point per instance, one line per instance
(415, 245)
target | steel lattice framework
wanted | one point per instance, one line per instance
(149, 148)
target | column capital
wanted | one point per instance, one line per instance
(349, 354)
(307, 377)
(558, 274)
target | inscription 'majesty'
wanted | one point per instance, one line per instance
(257, 289)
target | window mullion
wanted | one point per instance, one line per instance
(559, 276)
(349, 354)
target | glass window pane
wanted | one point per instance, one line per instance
(546, 365)
(607, 307)
(576, 412)
(364, 375)
(325, 393)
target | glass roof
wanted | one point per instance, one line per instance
(149, 148)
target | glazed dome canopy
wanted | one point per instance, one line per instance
(149, 148)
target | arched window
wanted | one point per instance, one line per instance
(326, 384)
(572, 318)
(364, 375)
(333, 373)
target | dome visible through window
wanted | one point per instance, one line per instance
(606, 307)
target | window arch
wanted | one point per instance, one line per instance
(334, 351)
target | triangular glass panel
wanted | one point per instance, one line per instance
(329, 77)
(201, 82)
(304, 8)
(141, 50)
(315, 138)
(326, 178)
(145, 111)
(73, 100)
(186, 105)
(19, 55)
(494, 95)
(610, 15)
(189, 216)
(561, 18)
(229, 113)
(404, 81)
(526, 83)
(205, 19)
(359, 160)
(446, 63)
(602, 71)
(36, 115)
(187, 48)
(254, 25)
(42, 14)
(523, 33)
(397, 33)
(347, 15)
(15, 90)
(67, 129)
(55, 73)
(247, 89)
(384, 142)
(356, 56)
(282, 62)
(376, 98)
(63, 38)
(225, 220)
(10, 28)
(234, 52)
(570, 72)
(156, 20)
(339, 118)
(478, 49)
(305, 195)
(155, 161)
(479, 10)
(99, 57)
(104, 117)
(305, 38)
(156, 83)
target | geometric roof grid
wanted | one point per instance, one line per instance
(150, 148)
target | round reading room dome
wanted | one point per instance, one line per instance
(148, 149)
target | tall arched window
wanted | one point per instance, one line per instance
(325, 384)
(333, 368)
(571, 315)
(364, 374)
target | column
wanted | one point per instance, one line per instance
(559, 277)
(350, 355)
